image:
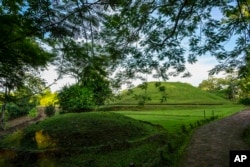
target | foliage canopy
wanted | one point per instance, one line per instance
(140, 36)
(134, 37)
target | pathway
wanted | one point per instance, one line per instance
(210, 144)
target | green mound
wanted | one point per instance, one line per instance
(175, 92)
(85, 139)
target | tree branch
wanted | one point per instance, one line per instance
(176, 23)
(27, 34)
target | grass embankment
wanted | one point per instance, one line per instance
(88, 139)
(176, 92)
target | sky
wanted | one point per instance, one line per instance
(50, 75)
(199, 72)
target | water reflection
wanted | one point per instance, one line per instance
(43, 140)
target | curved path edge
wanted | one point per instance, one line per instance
(210, 145)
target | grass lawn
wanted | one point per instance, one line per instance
(173, 117)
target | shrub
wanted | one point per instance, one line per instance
(246, 135)
(33, 112)
(19, 108)
(184, 129)
(245, 101)
(162, 89)
(13, 110)
(50, 110)
(75, 98)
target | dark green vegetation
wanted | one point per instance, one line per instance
(75, 98)
(246, 135)
(175, 93)
(88, 139)
(18, 109)
(50, 110)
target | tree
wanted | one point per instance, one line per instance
(213, 84)
(235, 23)
(228, 87)
(21, 102)
(26, 25)
(88, 68)
(21, 98)
(244, 89)
(48, 98)
(162, 90)
(98, 84)
(20, 60)
(141, 34)
(153, 37)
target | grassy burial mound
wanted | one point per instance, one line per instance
(87, 139)
(169, 93)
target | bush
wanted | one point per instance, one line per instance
(33, 112)
(75, 98)
(245, 101)
(246, 135)
(50, 110)
(13, 110)
(19, 108)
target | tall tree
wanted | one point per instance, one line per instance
(90, 69)
(19, 58)
(26, 24)
(161, 36)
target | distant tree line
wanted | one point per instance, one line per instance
(230, 87)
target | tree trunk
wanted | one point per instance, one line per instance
(2, 116)
(2, 123)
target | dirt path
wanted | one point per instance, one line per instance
(21, 122)
(210, 144)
